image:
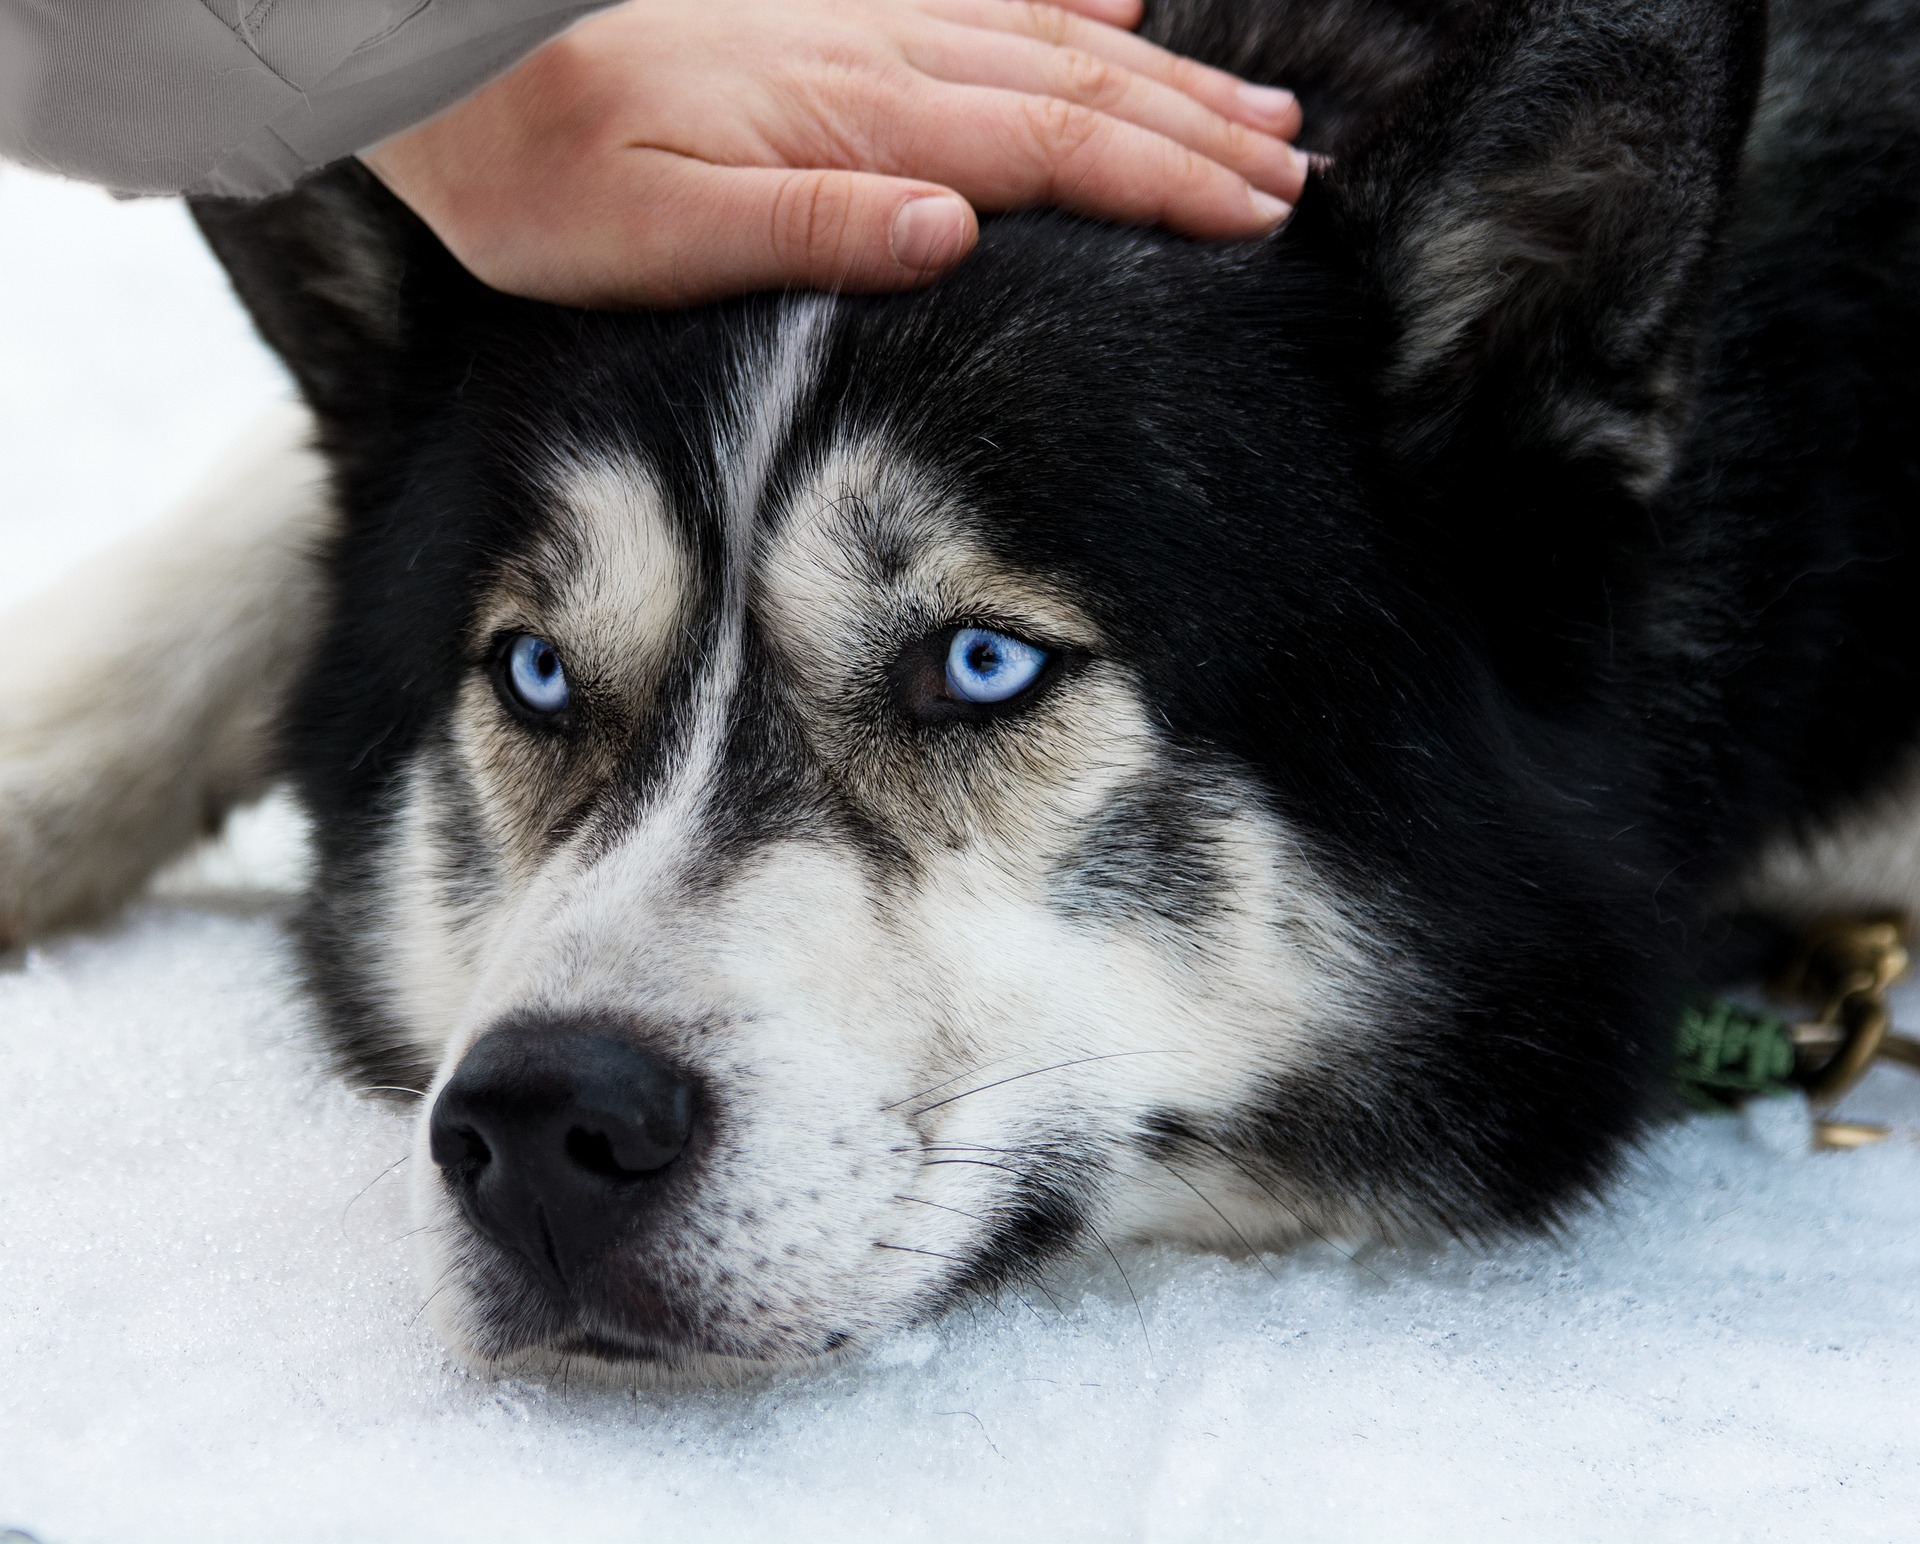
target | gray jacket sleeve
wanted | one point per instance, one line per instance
(241, 97)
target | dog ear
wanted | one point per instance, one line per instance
(333, 274)
(1540, 217)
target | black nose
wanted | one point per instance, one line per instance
(552, 1136)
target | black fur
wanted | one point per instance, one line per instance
(1532, 516)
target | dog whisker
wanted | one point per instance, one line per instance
(1206, 1200)
(983, 1430)
(368, 1186)
(946, 1082)
(447, 1279)
(1127, 1281)
(934, 1163)
(1024, 1303)
(921, 1201)
(1048, 1293)
(976, 1147)
(932, 1253)
(1293, 1212)
(1078, 1061)
(425, 1227)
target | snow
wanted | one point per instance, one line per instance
(209, 1328)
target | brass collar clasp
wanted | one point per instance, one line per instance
(1845, 966)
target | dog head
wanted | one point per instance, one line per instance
(839, 801)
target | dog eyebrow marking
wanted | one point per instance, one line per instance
(614, 579)
(868, 534)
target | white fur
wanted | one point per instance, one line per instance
(1868, 859)
(142, 693)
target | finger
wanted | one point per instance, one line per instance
(970, 56)
(1115, 13)
(1004, 149)
(1267, 108)
(664, 229)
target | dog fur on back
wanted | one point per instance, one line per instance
(1457, 614)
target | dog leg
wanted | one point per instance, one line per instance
(143, 693)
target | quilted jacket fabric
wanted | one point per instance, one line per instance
(241, 97)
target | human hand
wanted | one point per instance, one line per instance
(667, 152)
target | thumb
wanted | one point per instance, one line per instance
(709, 231)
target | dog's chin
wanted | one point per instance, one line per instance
(585, 1358)
(574, 1353)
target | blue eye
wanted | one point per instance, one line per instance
(985, 666)
(535, 675)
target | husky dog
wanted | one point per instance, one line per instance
(837, 802)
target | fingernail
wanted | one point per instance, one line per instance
(929, 232)
(1271, 102)
(1270, 210)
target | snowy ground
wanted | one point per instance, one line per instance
(209, 1329)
